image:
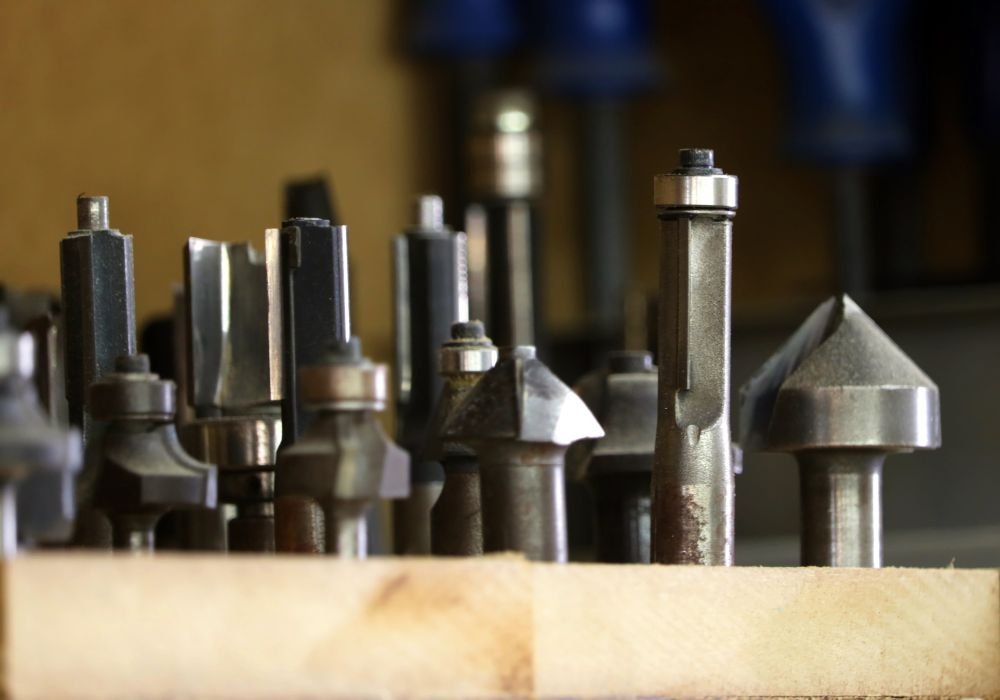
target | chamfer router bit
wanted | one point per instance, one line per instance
(692, 495)
(343, 462)
(519, 419)
(29, 444)
(841, 396)
(430, 295)
(234, 374)
(617, 467)
(142, 470)
(456, 518)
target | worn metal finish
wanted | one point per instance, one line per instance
(142, 471)
(326, 481)
(617, 467)
(31, 444)
(456, 518)
(841, 396)
(519, 419)
(692, 519)
(430, 295)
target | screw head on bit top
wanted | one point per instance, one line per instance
(696, 184)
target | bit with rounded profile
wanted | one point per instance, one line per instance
(343, 462)
(841, 396)
(617, 467)
(520, 419)
(692, 506)
(456, 518)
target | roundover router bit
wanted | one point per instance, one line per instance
(841, 396)
(617, 467)
(29, 444)
(692, 484)
(456, 518)
(142, 471)
(519, 419)
(327, 480)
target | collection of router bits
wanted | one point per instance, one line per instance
(270, 440)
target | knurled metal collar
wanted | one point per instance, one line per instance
(468, 352)
(234, 442)
(132, 392)
(349, 386)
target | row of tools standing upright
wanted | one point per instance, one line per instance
(270, 439)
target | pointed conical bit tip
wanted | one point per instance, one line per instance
(521, 400)
(840, 381)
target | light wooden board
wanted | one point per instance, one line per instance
(298, 627)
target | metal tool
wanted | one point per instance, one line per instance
(456, 518)
(30, 444)
(519, 419)
(617, 467)
(841, 396)
(141, 469)
(343, 462)
(430, 295)
(692, 520)
(506, 183)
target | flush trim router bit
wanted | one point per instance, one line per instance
(520, 418)
(841, 396)
(456, 518)
(692, 497)
(142, 470)
(430, 294)
(327, 480)
(617, 467)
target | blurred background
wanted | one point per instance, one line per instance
(862, 132)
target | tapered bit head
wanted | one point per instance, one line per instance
(839, 382)
(521, 400)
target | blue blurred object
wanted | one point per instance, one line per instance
(466, 27)
(849, 81)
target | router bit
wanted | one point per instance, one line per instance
(315, 309)
(617, 467)
(519, 419)
(30, 444)
(234, 374)
(326, 481)
(430, 295)
(142, 470)
(841, 396)
(456, 518)
(692, 492)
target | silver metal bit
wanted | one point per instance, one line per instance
(456, 518)
(692, 520)
(841, 396)
(519, 419)
(617, 467)
(326, 481)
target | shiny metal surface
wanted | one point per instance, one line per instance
(692, 501)
(841, 396)
(519, 419)
(505, 146)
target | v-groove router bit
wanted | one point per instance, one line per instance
(692, 521)
(456, 518)
(430, 295)
(841, 396)
(520, 418)
(617, 467)
(327, 480)
(142, 470)
(29, 444)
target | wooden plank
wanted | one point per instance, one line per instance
(79, 626)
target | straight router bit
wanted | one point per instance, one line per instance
(841, 396)
(617, 467)
(30, 444)
(519, 419)
(430, 295)
(456, 518)
(327, 480)
(692, 520)
(142, 470)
